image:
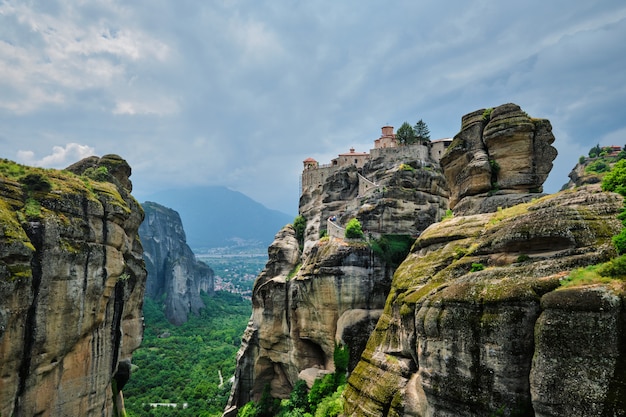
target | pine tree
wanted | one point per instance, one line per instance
(421, 131)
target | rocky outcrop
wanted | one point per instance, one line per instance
(173, 271)
(498, 152)
(71, 287)
(299, 313)
(459, 340)
(407, 194)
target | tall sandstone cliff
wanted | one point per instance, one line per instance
(173, 271)
(71, 287)
(476, 321)
(507, 339)
(333, 291)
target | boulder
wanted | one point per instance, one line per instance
(498, 152)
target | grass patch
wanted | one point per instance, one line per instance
(614, 270)
(449, 214)
(294, 271)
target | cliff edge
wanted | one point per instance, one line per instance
(71, 287)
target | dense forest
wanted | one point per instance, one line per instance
(182, 365)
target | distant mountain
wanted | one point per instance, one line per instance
(218, 217)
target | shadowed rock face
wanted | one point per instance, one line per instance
(71, 288)
(497, 153)
(507, 339)
(172, 267)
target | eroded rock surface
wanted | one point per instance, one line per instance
(411, 194)
(505, 339)
(71, 287)
(173, 270)
(498, 152)
(300, 312)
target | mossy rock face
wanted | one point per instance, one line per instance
(65, 241)
(469, 337)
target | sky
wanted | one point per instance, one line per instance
(239, 93)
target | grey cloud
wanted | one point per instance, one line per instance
(238, 94)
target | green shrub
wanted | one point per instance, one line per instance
(619, 241)
(332, 405)
(294, 271)
(615, 180)
(299, 224)
(406, 167)
(495, 166)
(597, 167)
(582, 159)
(523, 258)
(36, 181)
(487, 113)
(248, 410)
(615, 268)
(393, 249)
(477, 267)
(595, 151)
(449, 214)
(32, 209)
(100, 174)
(341, 357)
(298, 399)
(322, 387)
(353, 230)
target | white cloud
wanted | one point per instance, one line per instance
(67, 53)
(60, 156)
(159, 106)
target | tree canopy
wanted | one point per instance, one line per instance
(407, 134)
(421, 131)
(353, 230)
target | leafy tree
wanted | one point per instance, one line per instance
(595, 151)
(299, 224)
(353, 230)
(615, 180)
(619, 241)
(299, 396)
(341, 357)
(421, 131)
(405, 135)
(268, 406)
(322, 387)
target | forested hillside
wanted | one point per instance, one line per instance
(182, 365)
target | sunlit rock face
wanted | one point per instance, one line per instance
(173, 271)
(301, 312)
(459, 340)
(501, 157)
(71, 288)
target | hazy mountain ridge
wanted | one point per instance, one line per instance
(215, 217)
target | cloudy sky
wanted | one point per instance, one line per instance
(239, 93)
